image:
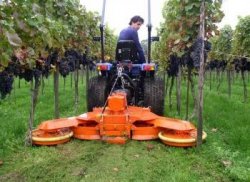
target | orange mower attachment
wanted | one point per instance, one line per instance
(54, 132)
(39, 137)
(116, 123)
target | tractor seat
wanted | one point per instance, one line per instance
(126, 51)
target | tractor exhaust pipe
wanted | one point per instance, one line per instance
(149, 31)
(102, 31)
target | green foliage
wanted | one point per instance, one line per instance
(160, 49)
(144, 45)
(32, 29)
(110, 41)
(222, 44)
(110, 44)
(182, 21)
(241, 40)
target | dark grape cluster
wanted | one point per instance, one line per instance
(216, 64)
(241, 64)
(196, 49)
(64, 67)
(14, 66)
(26, 74)
(6, 81)
(46, 68)
(73, 53)
(221, 65)
(71, 61)
(84, 60)
(92, 65)
(74, 58)
(37, 74)
(207, 49)
(195, 52)
(173, 66)
(186, 60)
(211, 65)
(52, 58)
(207, 46)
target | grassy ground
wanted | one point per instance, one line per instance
(224, 157)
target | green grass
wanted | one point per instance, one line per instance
(224, 157)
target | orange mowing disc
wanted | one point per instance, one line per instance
(87, 131)
(180, 139)
(144, 131)
(40, 137)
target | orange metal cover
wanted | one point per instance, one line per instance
(58, 123)
(117, 102)
(114, 119)
(174, 124)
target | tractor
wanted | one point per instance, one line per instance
(138, 80)
(125, 101)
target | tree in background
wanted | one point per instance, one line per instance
(179, 33)
(241, 48)
(110, 43)
(220, 55)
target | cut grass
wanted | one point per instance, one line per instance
(224, 157)
(97, 161)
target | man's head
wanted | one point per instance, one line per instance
(136, 22)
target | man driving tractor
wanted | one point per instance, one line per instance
(130, 33)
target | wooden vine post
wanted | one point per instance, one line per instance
(201, 76)
(244, 85)
(229, 82)
(188, 85)
(87, 76)
(56, 92)
(178, 90)
(76, 79)
(34, 96)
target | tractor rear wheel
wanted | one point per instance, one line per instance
(97, 92)
(154, 94)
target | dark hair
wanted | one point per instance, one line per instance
(135, 19)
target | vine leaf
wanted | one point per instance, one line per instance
(14, 39)
(177, 41)
(4, 59)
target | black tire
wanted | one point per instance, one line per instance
(154, 95)
(97, 93)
